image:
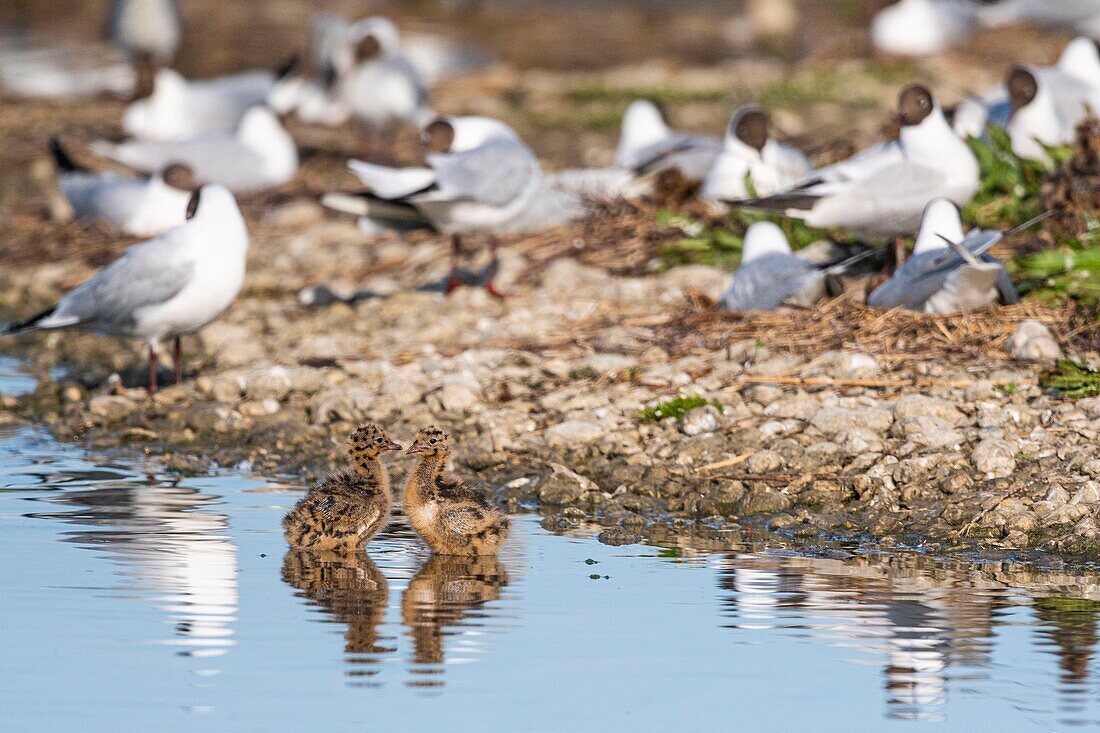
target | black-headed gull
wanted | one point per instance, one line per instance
(752, 162)
(141, 207)
(771, 276)
(178, 109)
(948, 272)
(881, 192)
(1077, 70)
(146, 28)
(921, 27)
(260, 154)
(163, 288)
(1047, 104)
(383, 86)
(648, 145)
(479, 178)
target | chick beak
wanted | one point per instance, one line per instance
(414, 449)
(393, 446)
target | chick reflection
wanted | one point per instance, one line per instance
(443, 597)
(352, 590)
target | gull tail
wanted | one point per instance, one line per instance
(28, 324)
(392, 183)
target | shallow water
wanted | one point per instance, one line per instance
(131, 598)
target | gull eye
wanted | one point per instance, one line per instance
(432, 441)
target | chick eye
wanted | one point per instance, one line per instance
(432, 441)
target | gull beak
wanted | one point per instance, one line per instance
(393, 446)
(414, 449)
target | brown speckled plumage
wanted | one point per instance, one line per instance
(350, 506)
(454, 519)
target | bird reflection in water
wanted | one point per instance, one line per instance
(352, 591)
(174, 552)
(445, 600)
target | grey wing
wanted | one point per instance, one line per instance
(494, 173)
(919, 279)
(146, 274)
(767, 283)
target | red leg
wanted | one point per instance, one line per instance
(152, 370)
(453, 283)
(494, 265)
(177, 358)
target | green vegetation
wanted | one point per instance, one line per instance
(677, 407)
(1010, 188)
(1006, 389)
(1067, 272)
(1071, 379)
(721, 247)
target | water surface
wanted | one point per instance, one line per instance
(132, 598)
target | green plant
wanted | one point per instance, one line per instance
(1006, 389)
(677, 407)
(1010, 186)
(1066, 272)
(1071, 379)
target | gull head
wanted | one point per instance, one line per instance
(764, 238)
(1023, 87)
(179, 176)
(940, 220)
(214, 203)
(461, 134)
(369, 441)
(374, 38)
(915, 104)
(431, 441)
(750, 126)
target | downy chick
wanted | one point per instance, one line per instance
(454, 519)
(350, 506)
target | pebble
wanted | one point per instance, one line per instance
(994, 458)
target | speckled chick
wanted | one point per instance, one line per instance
(454, 519)
(349, 507)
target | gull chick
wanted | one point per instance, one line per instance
(453, 518)
(751, 157)
(881, 192)
(948, 272)
(260, 154)
(141, 207)
(648, 145)
(479, 178)
(350, 506)
(164, 288)
(770, 276)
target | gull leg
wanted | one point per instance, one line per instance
(154, 352)
(494, 265)
(899, 252)
(453, 283)
(177, 359)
